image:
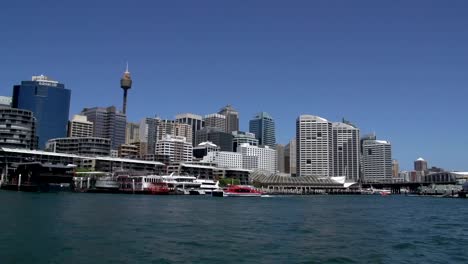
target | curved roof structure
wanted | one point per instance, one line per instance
(264, 178)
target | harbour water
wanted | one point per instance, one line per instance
(113, 228)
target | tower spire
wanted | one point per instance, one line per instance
(125, 84)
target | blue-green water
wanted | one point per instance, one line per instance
(107, 228)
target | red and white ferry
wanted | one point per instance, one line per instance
(242, 191)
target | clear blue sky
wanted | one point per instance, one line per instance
(399, 68)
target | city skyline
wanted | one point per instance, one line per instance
(375, 82)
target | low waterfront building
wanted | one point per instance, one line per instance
(9, 156)
(86, 146)
(17, 128)
(243, 175)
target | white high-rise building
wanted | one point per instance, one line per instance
(346, 151)
(79, 126)
(254, 157)
(224, 159)
(153, 129)
(314, 146)
(174, 149)
(376, 160)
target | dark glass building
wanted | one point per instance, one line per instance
(263, 126)
(216, 136)
(49, 102)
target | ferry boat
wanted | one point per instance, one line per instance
(180, 183)
(149, 184)
(207, 187)
(241, 191)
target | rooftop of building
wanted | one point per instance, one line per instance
(311, 117)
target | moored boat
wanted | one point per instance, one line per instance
(242, 191)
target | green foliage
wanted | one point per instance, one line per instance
(226, 181)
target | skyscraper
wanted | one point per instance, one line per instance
(346, 155)
(79, 126)
(174, 149)
(314, 146)
(108, 123)
(125, 84)
(395, 169)
(196, 121)
(215, 121)
(290, 154)
(376, 160)
(263, 126)
(232, 118)
(132, 133)
(281, 158)
(50, 103)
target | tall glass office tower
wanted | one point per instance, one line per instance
(263, 126)
(50, 103)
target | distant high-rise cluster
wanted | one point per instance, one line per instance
(36, 116)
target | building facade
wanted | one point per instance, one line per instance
(346, 153)
(224, 159)
(263, 126)
(420, 165)
(314, 146)
(49, 101)
(196, 121)
(239, 138)
(232, 118)
(281, 158)
(216, 136)
(174, 149)
(253, 157)
(84, 146)
(79, 126)
(108, 123)
(128, 151)
(5, 101)
(215, 121)
(395, 169)
(154, 129)
(132, 133)
(290, 153)
(376, 160)
(17, 129)
(203, 149)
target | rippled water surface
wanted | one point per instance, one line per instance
(109, 228)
